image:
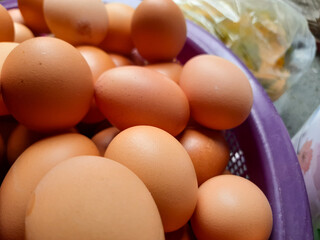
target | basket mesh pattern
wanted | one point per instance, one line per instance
(237, 163)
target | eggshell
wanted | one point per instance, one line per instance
(77, 22)
(20, 139)
(46, 84)
(184, 233)
(103, 138)
(28, 170)
(5, 49)
(164, 166)
(219, 93)
(120, 60)
(99, 61)
(99, 199)
(133, 95)
(21, 33)
(118, 38)
(158, 30)
(171, 69)
(231, 207)
(16, 15)
(208, 150)
(32, 12)
(7, 29)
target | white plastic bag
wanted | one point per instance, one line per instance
(269, 36)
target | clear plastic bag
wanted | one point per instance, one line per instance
(270, 36)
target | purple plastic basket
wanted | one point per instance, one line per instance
(261, 146)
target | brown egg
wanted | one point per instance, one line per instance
(7, 125)
(99, 199)
(32, 12)
(77, 22)
(16, 15)
(133, 95)
(20, 139)
(120, 60)
(5, 49)
(21, 33)
(184, 233)
(103, 138)
(46, 84)
(28, 170)
(171, 69)
(118, 38)
(7, 29)
(164, 166)
(219, 93)
(98, 60)
(158, 30)
(3, 107)
(208, 151)
(231, 207)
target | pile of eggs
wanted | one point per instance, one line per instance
(108, 136)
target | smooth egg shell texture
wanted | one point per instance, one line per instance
(21, 33)
(27, 171)
(103, 138)
(170, 69)
(231, 207)
(77, 22)
(219, 93)
(32, 12)
(91, 197)
(7, 28)
(164, 166)
(46, 84)
(118, 38)
(208, 151)
(158, 30)
(133, 95)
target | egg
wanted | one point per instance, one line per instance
(118, 38)
(28, 170)
(170, 69)
(208, 150)
(219, 93)
(133, 95)
(45, 79)
(32, 12)
(231, 207)
(7, 29)
(16, 15)
(5, 49)
(158, 30)
(103, 138)
(77, 22)
(120, 60)
(184, 233)
(162, 163)
(99, 61)
(99, 199)
(21, 33)
(3, 107)
(20, 139)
